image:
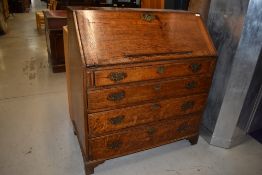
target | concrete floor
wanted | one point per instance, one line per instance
(36, 133)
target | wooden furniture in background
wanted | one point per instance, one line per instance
(201, 7)
(54, 22)
(40, 20)
(39, 16)
(4, 14)
(65, 37)
(155, 4)
(134, 92)
(52, 5)
(62, 4)
(165, 4)
(5, 8)
(19, 6)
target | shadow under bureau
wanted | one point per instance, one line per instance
(137, 79)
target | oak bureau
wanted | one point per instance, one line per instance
(138, 79)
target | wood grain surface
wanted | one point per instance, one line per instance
(155, 71)
(139, 93)
(141, 138)
(115, 37)
(103, 122)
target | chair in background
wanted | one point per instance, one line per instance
(52, 5)
(40, 19)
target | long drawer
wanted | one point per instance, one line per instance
(131, 94)
(153, 71)
(141, 138)
(102, 122)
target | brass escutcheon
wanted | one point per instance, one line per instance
(183, 127)
(117, 76)
(195, 67)
(160, 69)
(191, 85)
(151, 131)
(155, 106)
(116, 96)
(187, 105)
(157, 87)
(117, 120)
(148, 17)
(114, 145)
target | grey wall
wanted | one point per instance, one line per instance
(251, 114)
(225, 24)
(235, 27)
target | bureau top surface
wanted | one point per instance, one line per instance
(55, 13)
(109, 37)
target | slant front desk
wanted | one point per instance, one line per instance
(138, 79)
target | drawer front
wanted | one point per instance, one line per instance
(124, 95)
(133, 74)
(103, 122)
(142, 138)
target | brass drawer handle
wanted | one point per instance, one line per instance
(161, 70)
(114, 145)
(155, 107)
(117, 120)
(116, 96)
(183, 127)
(187, 105)
(148, 17)
(151, 131)
(117, 76)
(195, 67)
(191, 85)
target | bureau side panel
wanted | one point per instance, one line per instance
(77, 82)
